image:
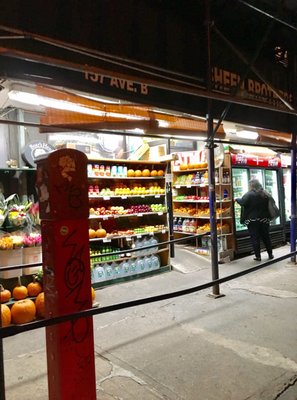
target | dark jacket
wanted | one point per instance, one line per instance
(255, 205)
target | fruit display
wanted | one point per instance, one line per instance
(191, 210)
(121, 189)
(122, 171)
(133, 209)
(117, 194)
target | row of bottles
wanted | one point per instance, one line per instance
(109, 271)
(184, 225)
(103, 252)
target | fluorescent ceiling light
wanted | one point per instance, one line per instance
(246, 134)
(36, 100)
(162, 123)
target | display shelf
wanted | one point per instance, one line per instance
(137, 235)
(125, 197)
(201, 201)
(193, 212)
(120, 259)
(108, 216)
(116, 210)
(152, 178)
(201, 233)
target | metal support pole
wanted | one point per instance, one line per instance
(212, 212)
(293, 197)
(211, 164)
(169, 204)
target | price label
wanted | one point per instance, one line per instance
(139, 215)
(178, 186)
(142, 196)
(105, 217)
(106, 198)
(128, 239)
(157, 196)
(138, 236)
(106, 240)
(160, 213)
(163, 231)
(151, 233)
(124, 197)
(189, 186)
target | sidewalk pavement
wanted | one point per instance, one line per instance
(237, 347)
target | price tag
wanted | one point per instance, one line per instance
(157, 196)
(189, 186)
(138, 236)
(178, 186)
(163, 231)
(160, 213)
(151, 233)
(142, 196)
(106, 240)
(124, 197)
(116, 216)
(105, 217)
(139, 215)
(128, 239)
(106, 198)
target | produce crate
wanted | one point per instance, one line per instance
(31, 255)
(10, 258)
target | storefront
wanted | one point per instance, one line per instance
(112, 109)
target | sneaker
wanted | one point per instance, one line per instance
(257, 258)
(271, 257)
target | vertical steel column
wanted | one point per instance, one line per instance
(211, 164)
(293, 197)
(168, 183)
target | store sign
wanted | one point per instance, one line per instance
(130, 90)
(251, 160)
(225, 81)
(35, 149)
(125, 85)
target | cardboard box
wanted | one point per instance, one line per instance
(9, 258)
(32, 255)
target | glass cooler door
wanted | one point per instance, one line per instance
(240, 187)
(287, 190)
(270, 185)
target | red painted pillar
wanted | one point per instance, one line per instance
(63, 199)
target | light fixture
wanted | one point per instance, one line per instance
(247, 134)
(36, 100)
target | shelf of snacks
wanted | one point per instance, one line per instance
(125, 215)
(191, 200)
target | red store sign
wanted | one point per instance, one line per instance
(251, 160)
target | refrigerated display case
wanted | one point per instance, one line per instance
(267, 170)
(287, 192)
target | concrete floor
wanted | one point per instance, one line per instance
(237, 347)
